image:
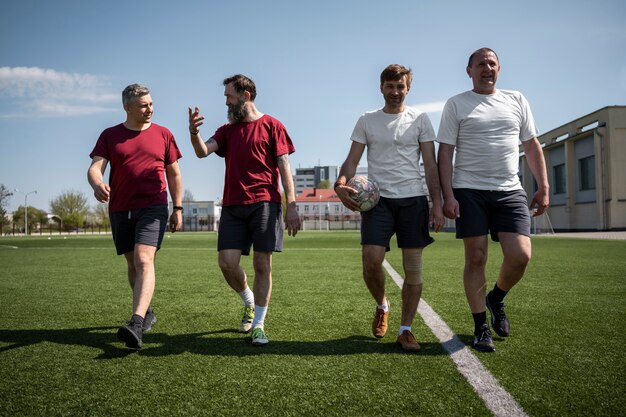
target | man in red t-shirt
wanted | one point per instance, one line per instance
(141, 154)
(256, 150)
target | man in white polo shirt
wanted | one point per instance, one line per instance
(485, 125)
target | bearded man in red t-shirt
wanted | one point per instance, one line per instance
(256, 150)
(141, 154)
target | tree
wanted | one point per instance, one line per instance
(35, 217)
(5, 195)
(324, 184)
(101, 214)
(71, 207)
(188, 195)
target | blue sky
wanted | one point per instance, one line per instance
(63, 65)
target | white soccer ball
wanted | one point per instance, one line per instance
(367, 192)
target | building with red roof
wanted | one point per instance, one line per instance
(320, 204)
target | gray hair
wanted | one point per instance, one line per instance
(132, 91)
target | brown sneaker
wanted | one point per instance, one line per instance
(408, 342)
(379, 325)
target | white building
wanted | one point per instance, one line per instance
(200, 216)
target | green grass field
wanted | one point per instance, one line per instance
(62, 299)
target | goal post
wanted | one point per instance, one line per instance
(541, 225)
(315, 225)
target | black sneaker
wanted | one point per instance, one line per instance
(499, 322)
(131, 334)
(149, 320)
(482, 340)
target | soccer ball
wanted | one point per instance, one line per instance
(367, 192)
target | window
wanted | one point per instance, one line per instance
(587, 176)
(560, 186)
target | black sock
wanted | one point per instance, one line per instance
(497, 295)
(480, 319)
(137, 319)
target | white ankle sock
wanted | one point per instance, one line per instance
(259, 316)
(403, 328)
(384, 306)
(247, 296)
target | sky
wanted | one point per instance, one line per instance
(316, 65)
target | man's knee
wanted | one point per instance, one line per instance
(518, 260)
(413, 267)
(228, 262)
(517, 250)
(373, 257)
(262, 263)
(143, 257)
(475, 257)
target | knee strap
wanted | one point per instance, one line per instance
(413, 267)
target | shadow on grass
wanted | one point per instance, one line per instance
(226, 342)
(96, 337)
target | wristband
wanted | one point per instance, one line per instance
(175, 208)
(194, 132)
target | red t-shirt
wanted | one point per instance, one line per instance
(250, 150)
(138, 160)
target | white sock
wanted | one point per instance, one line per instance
(403, 328)
(247, 296)
(384, 306)
(259, 316)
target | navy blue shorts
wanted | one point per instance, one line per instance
(406, 217)
(144, 226)
(484, 212)
(259, 225)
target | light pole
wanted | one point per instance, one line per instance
(26, 209)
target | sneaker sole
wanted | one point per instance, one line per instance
(484, 349)
(261, 342)
(409, 349)
(127, 336)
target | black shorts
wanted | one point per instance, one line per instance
(406, 217)
(144, 226)
(484, 211)
(259, 225)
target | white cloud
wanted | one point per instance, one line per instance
(47, 92)
(432, 107)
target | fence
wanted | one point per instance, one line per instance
(190, 224)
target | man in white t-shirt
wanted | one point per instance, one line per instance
(485, 125)
(395, 136)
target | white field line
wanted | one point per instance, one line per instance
(496, 398)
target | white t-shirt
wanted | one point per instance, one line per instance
(393, 151)
(486, 130)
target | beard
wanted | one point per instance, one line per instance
(237, 112)
(393, 101)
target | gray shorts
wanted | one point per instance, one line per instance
(406, 217)
(258, 225)
(484, 212)
(144, 226)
